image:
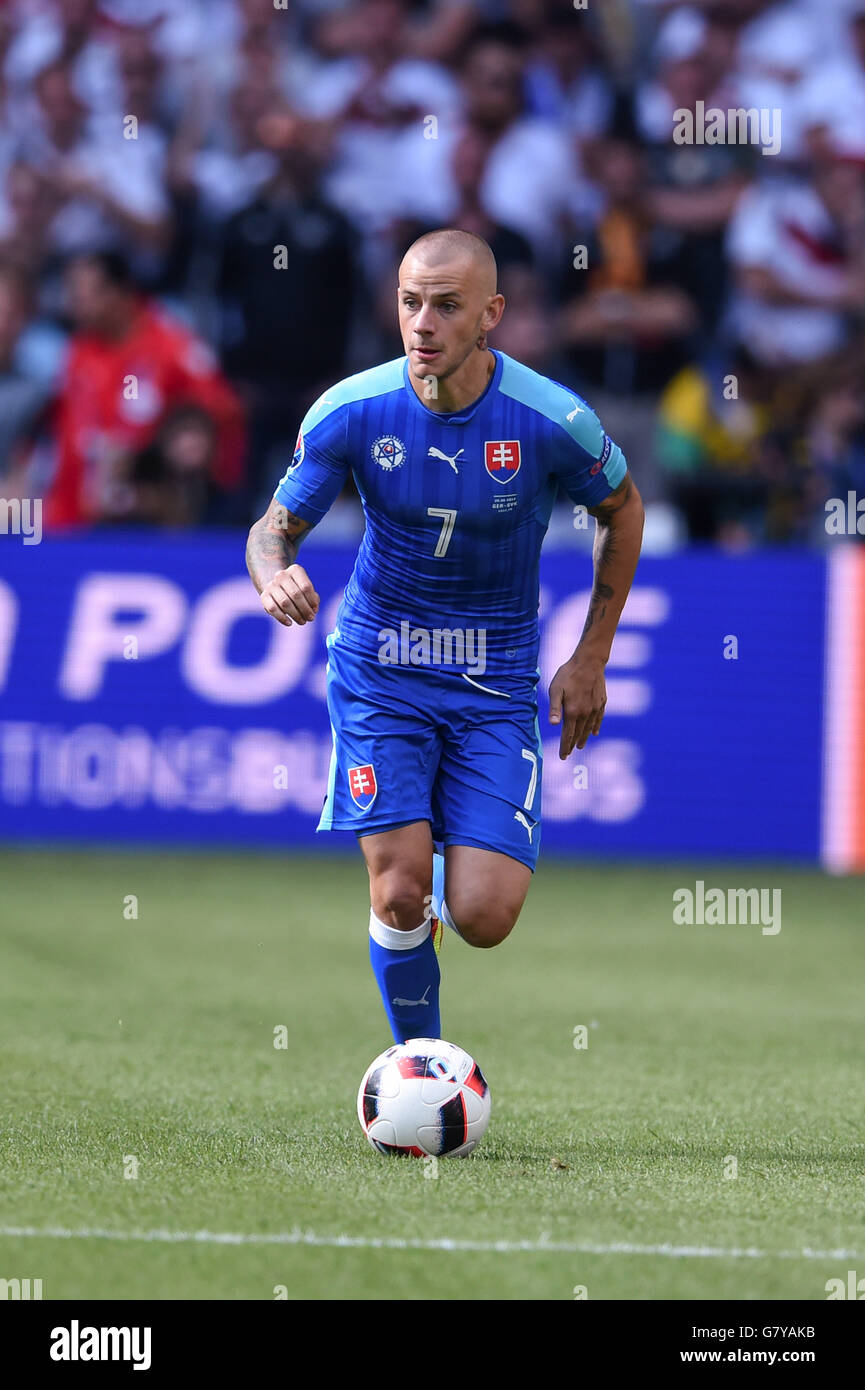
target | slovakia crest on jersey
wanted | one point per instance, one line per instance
(362, 785)
(502, 459)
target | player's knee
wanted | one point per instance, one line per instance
(399, 898)
(483, 924)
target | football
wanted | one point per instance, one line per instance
(424, 1098)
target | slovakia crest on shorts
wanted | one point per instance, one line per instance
(502, 458)
(362, 785)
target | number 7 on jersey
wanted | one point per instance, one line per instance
(449, 516)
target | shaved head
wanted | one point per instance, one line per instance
(448, 303)
(450, 244)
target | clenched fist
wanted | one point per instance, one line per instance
(290, 597)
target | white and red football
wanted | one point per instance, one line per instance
(425, 1097)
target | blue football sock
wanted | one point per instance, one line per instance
(406, 967)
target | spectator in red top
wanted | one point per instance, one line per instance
(130, 366)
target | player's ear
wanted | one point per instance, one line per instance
(493, 312)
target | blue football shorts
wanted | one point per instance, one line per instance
(415, 743)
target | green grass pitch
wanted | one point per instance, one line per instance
(147, 1046)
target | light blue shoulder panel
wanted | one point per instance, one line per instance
(565, 409)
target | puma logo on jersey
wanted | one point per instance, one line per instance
(518, 815)
(577, 410)
(437, 454)
(410, 1003)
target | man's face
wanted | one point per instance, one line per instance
(469, 160)
(27, 197)
(381, 25)
(840, 184)
(621, 170)
(62, 110)
(12, 318)
(78, 13)
(140, 68)
(493, 86)
(93, 300)
(257, 12)
(443, 309)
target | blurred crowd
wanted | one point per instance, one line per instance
(203, 204)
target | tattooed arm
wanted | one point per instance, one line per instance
(285, 587)
(578, 692)
(618, 535)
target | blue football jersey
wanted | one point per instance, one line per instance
(456, 505)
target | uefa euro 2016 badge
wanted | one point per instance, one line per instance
(299, 451)
(605, 454)
(362, 785)
(388, 452)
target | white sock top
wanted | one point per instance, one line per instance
(395, 940)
